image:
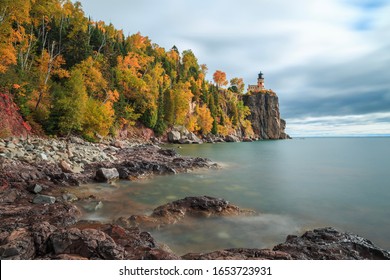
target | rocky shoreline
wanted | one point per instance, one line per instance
(39, 221)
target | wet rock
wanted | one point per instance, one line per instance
(19, 245)
(68, 257)
(41, 233)
(106, 175)
(239, 254)
(36, 188)
(202, 206)
(246, 139)
(44, 199)
(184, 141)
(331, 244)
(70, 197)
(9, 196)
(168, 152)
(88, 243)
(139, 245)
(93, 206)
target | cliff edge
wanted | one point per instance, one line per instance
(265, 115)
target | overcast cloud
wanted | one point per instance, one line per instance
(328, 60)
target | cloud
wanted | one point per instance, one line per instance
(351, 125)
(323, 58)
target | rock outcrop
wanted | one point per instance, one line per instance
(174, 212)
(81, 242)
(331, 244)
(265, 115)
(180, 135)
(318, 244)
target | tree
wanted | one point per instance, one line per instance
(237, 85)
(69, 105)
(182, 99)
(205, 120)
(219, 78)
(95, 84)
(13, 14)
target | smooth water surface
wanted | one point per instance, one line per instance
(294, 185)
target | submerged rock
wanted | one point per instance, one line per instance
(174, 212)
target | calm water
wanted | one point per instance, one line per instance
(294, 185)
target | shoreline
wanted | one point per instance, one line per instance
(39, 220)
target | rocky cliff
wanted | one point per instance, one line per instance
(265, 115)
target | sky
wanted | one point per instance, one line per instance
(328, 60)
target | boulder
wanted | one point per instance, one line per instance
(106, 175)
(19, 245)
(87, 243)
(232, 138)
(70, 197)
(174, 136)
(44, 199)
(35, 188)
(195, 139)
(43, 156)
(65, 167)
(331, 244)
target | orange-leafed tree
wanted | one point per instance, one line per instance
(219, 78)
(13, 14)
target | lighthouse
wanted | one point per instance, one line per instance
(260, 84)
(260, 81)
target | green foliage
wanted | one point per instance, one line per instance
(70, 74)
(69, 107)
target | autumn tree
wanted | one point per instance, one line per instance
(219, 78)
(237, 85)
(13, 15)
(182, 99)
(205, 120)
(71, 74)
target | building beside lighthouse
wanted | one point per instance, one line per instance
(260, 84)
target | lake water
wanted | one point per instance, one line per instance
(294, 185)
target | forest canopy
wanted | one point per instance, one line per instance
(69, 75)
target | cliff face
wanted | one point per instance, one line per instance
(265, 116)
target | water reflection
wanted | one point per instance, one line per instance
(294, 185)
